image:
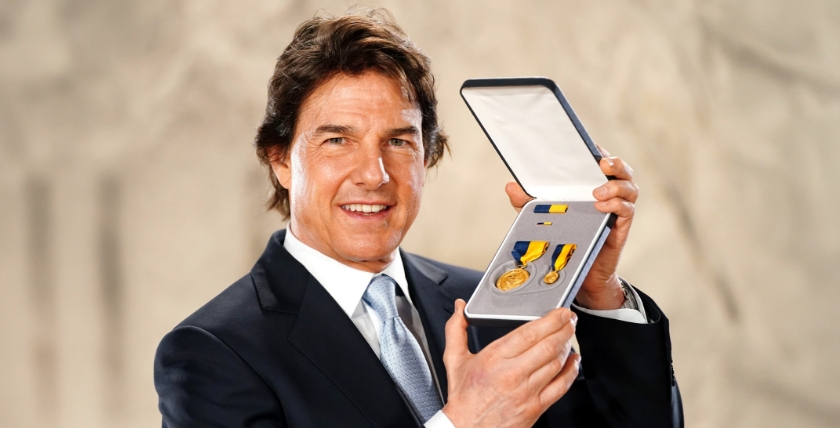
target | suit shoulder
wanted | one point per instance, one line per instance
(454, 273)
(233, 305)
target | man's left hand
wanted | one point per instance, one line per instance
(601, 290)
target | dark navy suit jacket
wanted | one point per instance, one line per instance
(275, 350)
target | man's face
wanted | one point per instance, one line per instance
(355, 170)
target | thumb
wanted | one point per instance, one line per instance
(456, 335)
(518, 197)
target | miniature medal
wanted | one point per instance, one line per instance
(523, 252)
(561, 256)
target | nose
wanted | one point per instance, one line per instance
(370, 170)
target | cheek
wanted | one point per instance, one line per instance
(306, 177)
(315, 182)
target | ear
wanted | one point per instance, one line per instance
(281, 166)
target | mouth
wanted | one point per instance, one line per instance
(366, 209)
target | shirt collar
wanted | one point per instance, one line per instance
(345, 284)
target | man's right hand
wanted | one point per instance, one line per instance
(514, 380)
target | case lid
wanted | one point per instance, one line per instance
(538, 136)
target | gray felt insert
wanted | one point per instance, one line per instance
(581, 225)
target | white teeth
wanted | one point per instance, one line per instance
(364, 208)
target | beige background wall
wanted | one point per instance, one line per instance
(130, 195)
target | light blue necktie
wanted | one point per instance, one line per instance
(399, 351)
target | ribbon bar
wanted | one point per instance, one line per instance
(551, 209)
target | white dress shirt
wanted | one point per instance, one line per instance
(347, 285)
(638, 316)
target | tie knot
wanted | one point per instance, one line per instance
(380, 296)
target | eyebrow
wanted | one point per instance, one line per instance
(408, 130)
(344, 129)
(333, 129)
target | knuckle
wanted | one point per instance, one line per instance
(555, 365)
(508, 379)
(554, 317)
(565, 386)
(491, 360)
(569, 329)
(450, 323)
(570, 380)
(533, 409)
(548, 349)
(560, 316)
(453, 326)
(614, 189)
(567, 349)
(527, 336)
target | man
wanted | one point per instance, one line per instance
(335, 326)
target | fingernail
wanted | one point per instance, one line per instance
(610, 162)
(579, 359)
(574, 319)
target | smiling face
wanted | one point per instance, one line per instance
(355, 169)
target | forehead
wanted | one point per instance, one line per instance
(370, 95)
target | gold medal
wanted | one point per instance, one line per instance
(512, 279)
(523, 252)
(561, 256)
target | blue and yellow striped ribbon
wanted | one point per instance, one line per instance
(561, 256)
(528, 251)
(551, 209)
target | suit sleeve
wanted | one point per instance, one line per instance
(628, 370)
(201, 382)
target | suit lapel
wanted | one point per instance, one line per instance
(434, 305)
(328, 338)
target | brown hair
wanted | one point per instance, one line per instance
(352, 45)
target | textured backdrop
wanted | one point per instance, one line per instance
(130, 194)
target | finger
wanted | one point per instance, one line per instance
(623, 189)
(604, 152)
(526, 336)
(456, 336)
(562, 382)
(617, 206)
(614, 166)
(518, 197)
(547, 355)
(548, 370)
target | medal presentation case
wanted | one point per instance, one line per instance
(549, 249)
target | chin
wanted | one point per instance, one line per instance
(370, 249)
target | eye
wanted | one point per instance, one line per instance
(335, 140)
(396, 142)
